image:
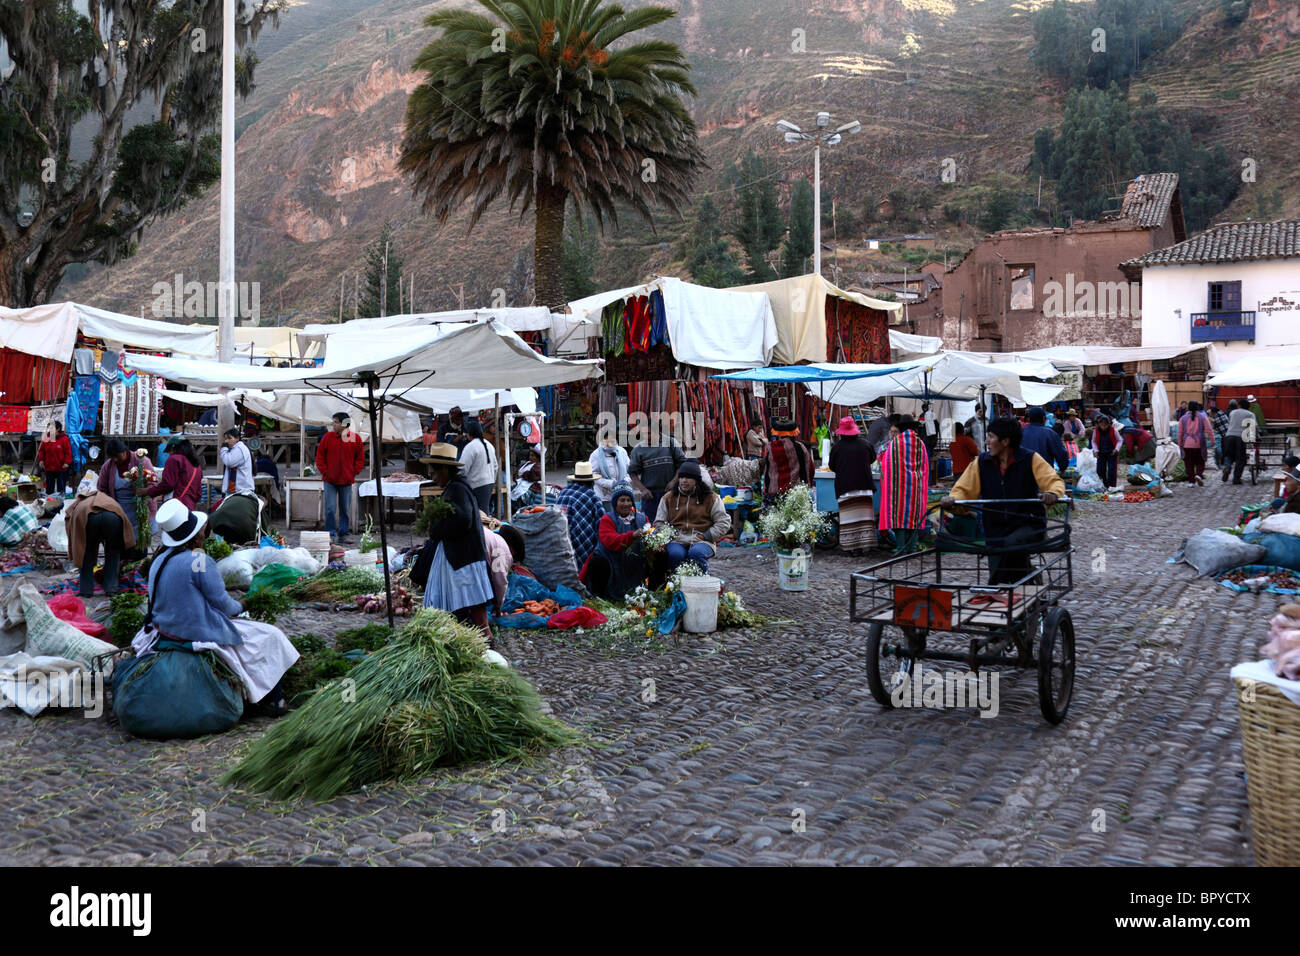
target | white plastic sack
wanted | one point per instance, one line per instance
(57, 534)
(49, 636)
(356, 558)
(33, 683)
(1212, 552)
(1088, 481)
(1287, 523)
(248, 561)
(237, 570)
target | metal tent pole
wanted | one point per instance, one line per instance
(370, 379)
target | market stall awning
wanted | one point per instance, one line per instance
(1088, 356)
(799, 307)
(50, 331)
(1266, 368)
(711, 328)
(824, 372)
(482, 355)
(911, 345)
(942, 377)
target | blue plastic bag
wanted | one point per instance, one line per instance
(521, 588)
(176, 692)
(519, 620)
(668, 618)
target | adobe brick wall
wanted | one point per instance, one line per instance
(975, 293)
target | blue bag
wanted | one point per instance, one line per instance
(1281, 550)
(176, 692)
(668, 618)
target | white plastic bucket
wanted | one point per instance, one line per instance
(793, 570)
(701, 595)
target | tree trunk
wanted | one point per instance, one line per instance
(548, 247)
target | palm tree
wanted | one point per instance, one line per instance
(534, 103)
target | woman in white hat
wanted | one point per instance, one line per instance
(188, 601)
(458, 579)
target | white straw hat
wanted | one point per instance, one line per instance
(178, 523)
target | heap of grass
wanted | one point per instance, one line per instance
(333, 585)
(425, 700)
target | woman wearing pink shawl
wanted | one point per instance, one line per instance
(904, 487)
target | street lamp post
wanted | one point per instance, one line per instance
(823, 135)
(226, 265)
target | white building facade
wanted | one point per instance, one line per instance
(1236, 285)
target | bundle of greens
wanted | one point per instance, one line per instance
(369, 542)
(267, 604)
(337, 585)
(434, 511)
(216, 548)
(126, 616)
(424, 701)
(317, 663)
(370, 637)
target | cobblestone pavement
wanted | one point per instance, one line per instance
(745, 736)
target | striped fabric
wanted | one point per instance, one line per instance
(133, 409)
(904, 482)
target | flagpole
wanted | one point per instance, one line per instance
(226, 320)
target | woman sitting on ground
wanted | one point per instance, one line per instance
(617, 566)
(190, 603)
(698, 515)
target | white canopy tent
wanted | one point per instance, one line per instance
(387, 363)
(942, 377)
(50, 331)
(1087, 356)
(1166, 450)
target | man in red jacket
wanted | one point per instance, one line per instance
(55, 456)
(340, 456)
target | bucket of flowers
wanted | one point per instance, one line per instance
(793, 523)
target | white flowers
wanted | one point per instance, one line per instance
(793, 521)
(655, 539)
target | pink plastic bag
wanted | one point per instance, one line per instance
(69, 607)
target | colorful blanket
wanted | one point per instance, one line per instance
(134, 582)
(133, 409)
(904, 482)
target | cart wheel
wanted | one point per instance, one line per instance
(1056, 665)
(883, 672)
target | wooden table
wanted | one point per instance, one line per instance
(313, 487)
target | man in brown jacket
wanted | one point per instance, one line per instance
(698, 515)
(95, 519)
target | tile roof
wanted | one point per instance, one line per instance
(1146, 201)
(1230, 242)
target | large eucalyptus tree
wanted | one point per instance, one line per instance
(80, 179)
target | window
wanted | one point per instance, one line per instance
(1224, 297)
(1022, 286)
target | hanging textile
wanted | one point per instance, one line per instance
(855, 333)
(659, 325)
(133, 409)
(16, 370)
(657, 363)
(640, 321)
(85, 392)
(13, 419)
(49, 380)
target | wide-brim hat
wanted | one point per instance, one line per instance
(847, 426)
(1250, 398)
(582, 472)
(178, 523)
(442, 453)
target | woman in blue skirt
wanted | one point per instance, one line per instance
(458, 576)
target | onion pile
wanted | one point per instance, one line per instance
(403, 606)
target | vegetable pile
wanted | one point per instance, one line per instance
(216, 548)
(337, 585)
(267, 605)
(434, 511)
(403, 604)
(426, 700)
(126, 616)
